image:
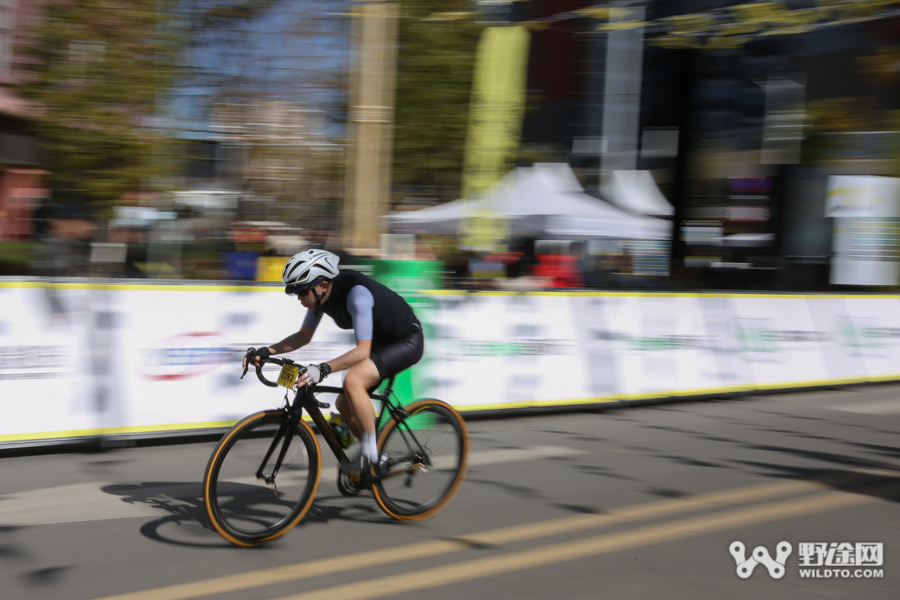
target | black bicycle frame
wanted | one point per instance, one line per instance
(304, 399)
(313, 406)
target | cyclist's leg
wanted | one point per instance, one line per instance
(362, 378)
(399, 356)
(354, 404)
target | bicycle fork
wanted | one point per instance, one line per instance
(284, 431)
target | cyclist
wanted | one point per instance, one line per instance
(388, 336)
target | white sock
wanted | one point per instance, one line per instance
(369, 447)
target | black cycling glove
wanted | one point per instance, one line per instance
(263, 353)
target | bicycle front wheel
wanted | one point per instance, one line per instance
(247, 501)
(427, 459)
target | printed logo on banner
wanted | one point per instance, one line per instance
(655, 343)
(756, 339)
(761, 341)
(186, 355)
(35, 362)
(507, 348)
(864, 336)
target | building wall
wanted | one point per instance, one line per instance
(20, 194)
(21, 188)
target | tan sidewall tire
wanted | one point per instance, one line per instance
(460, 478)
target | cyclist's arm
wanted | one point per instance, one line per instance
(361, 305)
(293, 341)
(301, 338)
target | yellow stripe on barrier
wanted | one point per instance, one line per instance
(813, 383)
(100, 431)
(168, 287)
(671, 393)
(881, 378)
(162, 287)
(715, 390)
(75, 433)
(580, 294)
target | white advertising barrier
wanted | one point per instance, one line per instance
(44, 368)
(490, 351)
(497, 351)
(777, 340)
(182, 351)
(647, 346)
(82, 360)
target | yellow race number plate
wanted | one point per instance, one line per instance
(288, 375)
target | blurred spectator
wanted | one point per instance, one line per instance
(525, 259)
(423, 252)
(63, 233)
(136, 249)
(560, 269)
(485, 270)
(578, 250)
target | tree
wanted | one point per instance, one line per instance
(109, 81)
(434, 82)
(97, 72)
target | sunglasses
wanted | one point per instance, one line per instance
(300, 290)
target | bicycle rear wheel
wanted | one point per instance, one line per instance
(427, 459)
(245, 509)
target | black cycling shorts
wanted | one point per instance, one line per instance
(399, 355)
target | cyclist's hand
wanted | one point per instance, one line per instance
(312, 376)
(255, 356)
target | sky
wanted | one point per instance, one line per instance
(298, 51)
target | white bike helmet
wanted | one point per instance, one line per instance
(309, 265)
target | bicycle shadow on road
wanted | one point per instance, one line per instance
(184, 521)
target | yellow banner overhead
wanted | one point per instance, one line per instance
(495, 124)
(498, 104)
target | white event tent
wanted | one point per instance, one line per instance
(545, 199)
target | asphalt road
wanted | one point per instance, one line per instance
(632, 503)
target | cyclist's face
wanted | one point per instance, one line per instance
(308, 300)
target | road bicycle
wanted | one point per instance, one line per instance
(263, 475)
